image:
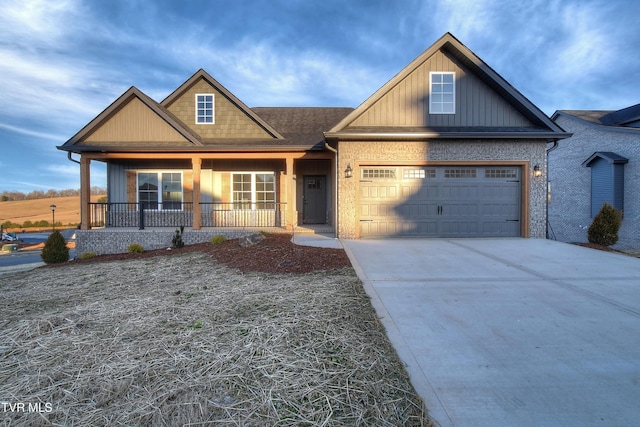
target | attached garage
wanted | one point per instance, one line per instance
(440, 201)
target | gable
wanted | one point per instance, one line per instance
(486, 105)
(407, 102)
(232, 120)
(134, 122)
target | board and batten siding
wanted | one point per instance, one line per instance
(135, 122)
(407, 104)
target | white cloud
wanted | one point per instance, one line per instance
(23, 131)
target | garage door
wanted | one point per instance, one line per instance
(442, 201)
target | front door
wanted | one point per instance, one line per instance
(314, 199)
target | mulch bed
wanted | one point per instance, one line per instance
(276, 254)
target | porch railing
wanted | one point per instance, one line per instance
(141, 215)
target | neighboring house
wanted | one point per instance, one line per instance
(447, 148)
(598, 164)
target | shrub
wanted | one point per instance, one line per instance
(216, 240)
(135, 248)
(604, 228)
(177, 242)
(55, 249)
(88, 255)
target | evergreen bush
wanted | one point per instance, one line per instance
(55, 249)
(604, 228)
(177, 242)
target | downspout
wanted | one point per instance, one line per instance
(549, 150)
(335, 192)
(69, 157)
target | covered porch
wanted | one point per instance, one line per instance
(213, 190)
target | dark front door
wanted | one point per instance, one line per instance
(315, 199)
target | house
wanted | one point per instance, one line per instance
(597, 164)
(446, 148)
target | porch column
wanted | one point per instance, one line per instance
(291, 196)
(85, 193)
(196, 166)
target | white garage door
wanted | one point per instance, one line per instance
(440, 201)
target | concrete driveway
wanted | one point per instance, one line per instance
(510, 332)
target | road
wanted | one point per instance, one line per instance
(21, 260)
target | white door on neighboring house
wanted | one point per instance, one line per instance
(314, 209)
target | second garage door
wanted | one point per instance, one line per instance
(440, 201)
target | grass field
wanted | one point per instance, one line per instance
(67, 210)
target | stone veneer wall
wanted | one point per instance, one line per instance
(117, 240)
(359, 152)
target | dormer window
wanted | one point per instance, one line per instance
(204, 109)
(443, 93)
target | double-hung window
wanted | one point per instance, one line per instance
(204, 109)
(160, 190)
(253, 190)
(443, 93)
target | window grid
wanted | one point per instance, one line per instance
(160, 190)
(204, 109)
(442, 96)
(253, 191)
(418, 173)
(459, 173)
(378, 173)
(500, 173)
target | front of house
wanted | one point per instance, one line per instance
(447, 148)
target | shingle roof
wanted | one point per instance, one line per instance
(611, 118)
(302, 125)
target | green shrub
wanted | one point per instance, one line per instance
(216, 240)
(88, 255)
(177, 242)
(604, 228)
(55, 249)
(135, 248)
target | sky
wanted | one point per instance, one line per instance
(62, 62)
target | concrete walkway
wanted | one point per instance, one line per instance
(510, 332)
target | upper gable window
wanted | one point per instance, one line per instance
(443, 93)
(204, 109)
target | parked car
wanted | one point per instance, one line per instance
(10, 237)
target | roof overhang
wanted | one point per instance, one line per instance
(428, 135)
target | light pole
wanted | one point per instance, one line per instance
(53, 214)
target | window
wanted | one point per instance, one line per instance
(378, 173)
(459, 173)
(204, 109)
(423, 173)
(501, 173)
(253, 190)
(443, 93)
(167, 195)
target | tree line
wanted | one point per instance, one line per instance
(10, 196)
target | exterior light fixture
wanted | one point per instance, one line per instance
(53, 219)
(348, 172)
(537, 172)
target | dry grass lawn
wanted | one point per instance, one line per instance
(184, 340)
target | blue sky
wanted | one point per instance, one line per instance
(63, 61)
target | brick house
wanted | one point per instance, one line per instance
(597, 164)
(446, 148)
